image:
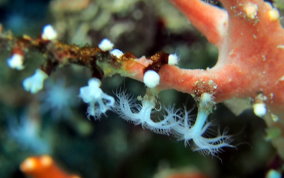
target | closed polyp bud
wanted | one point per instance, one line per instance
(259, 109)
(16, 61)
(173, 59)
(151, 79)
(49, 33)
(106, 45)
(35, 82)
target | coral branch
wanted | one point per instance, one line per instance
(250, 56)
(209, 20)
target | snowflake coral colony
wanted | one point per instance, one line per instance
(140, 114)
(197, 131)
(99, 102)
(175, 122)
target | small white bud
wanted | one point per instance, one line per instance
(151, 79)
(35, 82)
(173, 59)
(106, 45)
(273, 14)
(16, 61)
(49, 33)
(259, 109)
(116, 52)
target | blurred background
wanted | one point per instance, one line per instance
(54, 121)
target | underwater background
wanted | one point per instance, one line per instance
(54, 121)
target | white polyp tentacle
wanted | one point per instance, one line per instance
(205, 128)
(195, 133)
(142, 114)
(174, 121)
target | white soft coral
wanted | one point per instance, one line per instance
(175, 122)
(196, 132)
(99, 102)
(140, 114)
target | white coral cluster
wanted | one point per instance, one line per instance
(99, 102)
(175, 122)
(140, 114)
(196, 132)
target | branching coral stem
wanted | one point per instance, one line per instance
(211, 17)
